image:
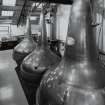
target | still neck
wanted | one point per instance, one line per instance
(28, 27)
(43, 30)
(80, 43)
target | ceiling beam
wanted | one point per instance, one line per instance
(55, 1)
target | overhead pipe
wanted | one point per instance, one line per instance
(79, 79)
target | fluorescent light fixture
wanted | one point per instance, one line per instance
(7, 13)
(9, 2)
(33, 18)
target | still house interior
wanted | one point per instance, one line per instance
(52, 52)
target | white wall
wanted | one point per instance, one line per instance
(22, 29)
(15, 31)
(63, 14)
(35, 29)
(4, 30)
(12, 31)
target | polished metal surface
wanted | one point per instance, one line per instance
(25, 47)
(79, 79)
(11, 92)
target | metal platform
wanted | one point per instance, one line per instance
(11, 92)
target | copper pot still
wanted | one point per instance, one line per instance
(26, 46)
(41, 59)
(79, 79)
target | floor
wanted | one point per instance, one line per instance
(11, 92)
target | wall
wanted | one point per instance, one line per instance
(22, 29)
(4, 30)
(35, 29)
(15, 31)
(63, 14)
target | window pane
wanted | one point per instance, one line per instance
(7, 13)
(9, 2)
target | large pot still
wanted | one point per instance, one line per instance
(40, 60)
(26, 46)
(79, 79)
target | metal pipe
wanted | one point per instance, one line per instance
(28, 27)
(43, 29)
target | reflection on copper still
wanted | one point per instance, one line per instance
(24, 47)
(79, 79)
(39, 61)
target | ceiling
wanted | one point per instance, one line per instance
(15, 12)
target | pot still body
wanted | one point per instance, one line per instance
(79, 79)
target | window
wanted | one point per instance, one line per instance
(9, 2)
(33, 18)
(7, 13)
